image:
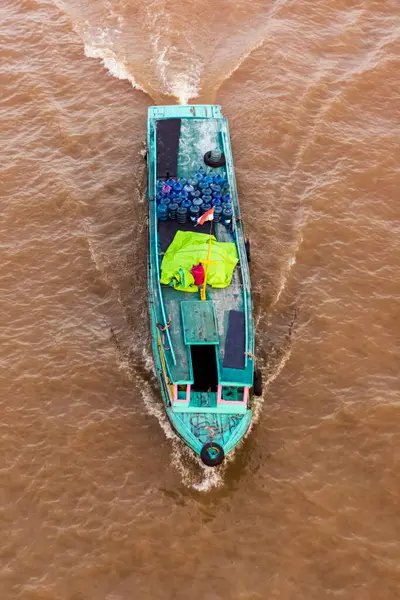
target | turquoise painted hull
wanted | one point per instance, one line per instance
(201, 417)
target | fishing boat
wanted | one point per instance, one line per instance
(200, 303)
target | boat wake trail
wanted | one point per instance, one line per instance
(160, 54)
(280, 355)
(146, 51)
(117, 67)
(276, 355)
(287, 267)
(181, 84)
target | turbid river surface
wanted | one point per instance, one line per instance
(98, 499)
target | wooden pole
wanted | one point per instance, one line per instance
(207, 262)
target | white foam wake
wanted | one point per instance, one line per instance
(183, 85)
(115, 66)
(185, 88)
(101, 40)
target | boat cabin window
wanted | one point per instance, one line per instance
(204, 362)
(233, 393)
(182, 392)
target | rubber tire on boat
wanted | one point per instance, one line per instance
(247, 246)
(211, 163)
(214, 458)
(257, 383)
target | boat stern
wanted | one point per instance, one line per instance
(185, 111)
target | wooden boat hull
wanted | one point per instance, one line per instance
(212, 417)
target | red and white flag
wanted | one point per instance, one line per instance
(208, 216)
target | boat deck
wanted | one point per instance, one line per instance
(186, 140)
(224, 300)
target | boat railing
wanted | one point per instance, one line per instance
(156, 258)
(239, 240)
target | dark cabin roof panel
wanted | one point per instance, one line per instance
(168, 133)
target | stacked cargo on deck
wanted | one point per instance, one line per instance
(187, 199)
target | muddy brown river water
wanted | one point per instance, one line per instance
(98, 499)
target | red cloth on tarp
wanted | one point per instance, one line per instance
(198, 274)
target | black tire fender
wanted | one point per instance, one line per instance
(247, 246)
(210, 163)
(212, 454)
(257, 383)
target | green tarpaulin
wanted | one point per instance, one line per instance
(188, 249)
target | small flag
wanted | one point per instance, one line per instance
(208, 216)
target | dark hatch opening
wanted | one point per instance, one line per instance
(205, 372)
